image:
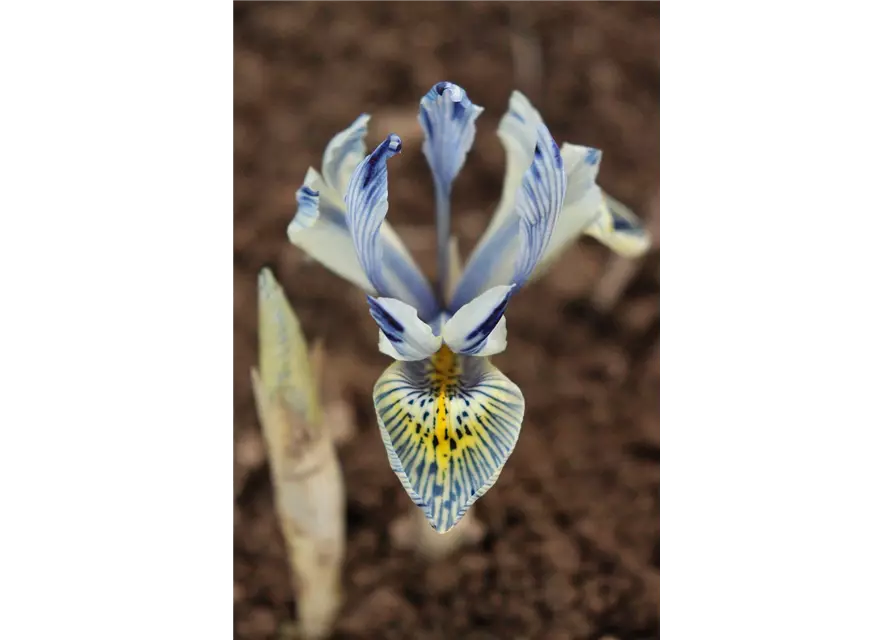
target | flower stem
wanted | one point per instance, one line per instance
(442, 198)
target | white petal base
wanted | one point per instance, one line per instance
(449, 424)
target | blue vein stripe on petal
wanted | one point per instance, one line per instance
(448, 424)
(478, 338)
(347, 146)
(391, 274)
(501, 247)
(448, 119)
(389, 325)
(308, 207)
(366, 200)
(540, 200)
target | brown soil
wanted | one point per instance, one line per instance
(572, 549)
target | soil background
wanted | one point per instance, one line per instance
(572, 544)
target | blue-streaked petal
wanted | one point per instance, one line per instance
(517, 132)
(447, 117)
(478, 328)
(539, 202)
(511, 251)
(320, 229)
(343, 153)
(403, 335)
(493, 260)
(392, 274)
(581, 164)
(582, 204)
(449, 424)
(619, 229)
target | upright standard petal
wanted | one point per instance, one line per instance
(539, 202)
(448, 119)
(403, 335)
(320, 227)
(518, 130)
(449, 424)
(342, 155)
(391, 274)
(511, 252)
(582, 204)
(619, 229)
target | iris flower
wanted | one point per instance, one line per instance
(449, 419)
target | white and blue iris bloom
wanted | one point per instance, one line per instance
(448, 418)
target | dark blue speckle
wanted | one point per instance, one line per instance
(622, 224)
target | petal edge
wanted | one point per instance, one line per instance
(449, 424)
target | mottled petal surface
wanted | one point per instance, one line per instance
(405, 335)
(391, 274)
(449, 425)
(511, 252)
(473, 329)
(447, 117)
(619, 229)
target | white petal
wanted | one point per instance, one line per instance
(343, 153)
(517, 244)
(409, 338)
(581, 204)
(447, 117)
(518, 133)
(478, 328)
(320, 229)
(449, 424)
(385, 346)
(496, 341)
(538, 203)
(619, 229)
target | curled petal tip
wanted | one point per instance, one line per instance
(455, 91)
(306, 192)
(343, 153)
(448, 119)
(308, 209)
(395, 144)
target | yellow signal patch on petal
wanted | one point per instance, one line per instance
(449, 424)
